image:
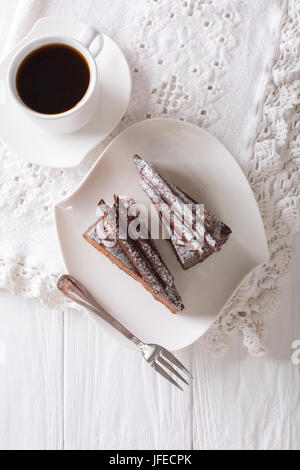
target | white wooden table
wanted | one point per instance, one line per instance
(64, 384)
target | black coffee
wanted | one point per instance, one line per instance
(53, 79)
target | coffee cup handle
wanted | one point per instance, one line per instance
(93, 40)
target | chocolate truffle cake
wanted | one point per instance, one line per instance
(192, 244)
(137, 257)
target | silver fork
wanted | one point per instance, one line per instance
(158, 357)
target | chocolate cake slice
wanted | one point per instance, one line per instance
(137, 257)
(192, 243)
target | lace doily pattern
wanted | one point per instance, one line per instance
(274, 174)
(207, 32)
(204, 29)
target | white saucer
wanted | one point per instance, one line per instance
(193, 159)
(28, 142)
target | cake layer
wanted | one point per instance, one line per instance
(177, 211)
(139, 257)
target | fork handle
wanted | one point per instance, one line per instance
(71, 288)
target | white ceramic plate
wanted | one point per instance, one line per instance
(29, 142)
(201, 166)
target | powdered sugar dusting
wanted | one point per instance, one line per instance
(152, 255)
(170, 219)
(115, 251)
(139, 256)
(166, 196)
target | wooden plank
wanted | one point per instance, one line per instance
(113, 400)
(31, 375)
(242, 402)
(31, 348)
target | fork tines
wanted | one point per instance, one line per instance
(164, 364)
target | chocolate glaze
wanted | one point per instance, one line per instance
(164, 194)
(138, 258)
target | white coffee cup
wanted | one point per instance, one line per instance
(89, 44)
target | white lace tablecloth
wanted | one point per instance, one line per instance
(227, 65)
